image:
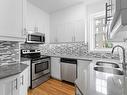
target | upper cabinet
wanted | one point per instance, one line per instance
(12, 19)
(69, 32)
(117, 25)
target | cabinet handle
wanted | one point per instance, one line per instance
(16, 83)
(22, 80)
(24, 32)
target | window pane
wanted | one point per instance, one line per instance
(100, 33)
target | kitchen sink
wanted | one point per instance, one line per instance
(107, 64)
(108, 70)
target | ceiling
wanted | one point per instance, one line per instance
(54, 5)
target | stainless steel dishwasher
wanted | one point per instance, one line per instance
(68, 69)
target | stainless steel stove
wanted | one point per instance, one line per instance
(40, 66)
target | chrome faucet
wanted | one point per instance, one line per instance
(124, 59)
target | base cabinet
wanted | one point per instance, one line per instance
(9, 86)
(55, 68)
(28, 72)
(14, 85)
(23, 80)
(83, 75)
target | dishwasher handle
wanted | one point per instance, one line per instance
(68, 60)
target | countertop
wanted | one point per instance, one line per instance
(10, 70)
(99, 83)
(88, 58)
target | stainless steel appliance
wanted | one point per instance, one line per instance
(68, 69)
(35, 38)
(40, 67)
(40, 71)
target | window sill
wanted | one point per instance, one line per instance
(107, 50)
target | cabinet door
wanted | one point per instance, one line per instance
(11, 18)
(2, 89)
(65, 32)
(6, 88)
(83, 75)
(28, 73)
(9, 86)
(60, 32)
(79, 29)
(55, 68)
(53, 37)
(8, 17)
(23, 80)
(15, 86)
(69, 32)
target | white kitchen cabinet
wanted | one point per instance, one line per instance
(69, 32)
(64, 33)
(2, 89)
(12, 21)
(9, 86)
(79, 29)
(60, 35)
(28, 71)
(14, 85)
(23, 79)
(55, 68)
(83, 75)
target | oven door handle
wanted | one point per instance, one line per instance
(39, 61)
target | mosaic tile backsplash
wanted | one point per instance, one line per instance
(9, 52)
(79, 49)
(70, 49)
(29, 46)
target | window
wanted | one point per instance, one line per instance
(98, 33)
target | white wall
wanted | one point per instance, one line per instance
(67, 15)
(95, 7)
(37, 17)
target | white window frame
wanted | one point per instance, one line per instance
(91, 32)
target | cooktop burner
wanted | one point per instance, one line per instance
(32, 54)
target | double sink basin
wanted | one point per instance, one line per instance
(108, 67)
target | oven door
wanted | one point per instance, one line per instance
(40, 67)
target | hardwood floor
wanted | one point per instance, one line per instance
(53, 87)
